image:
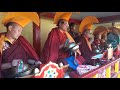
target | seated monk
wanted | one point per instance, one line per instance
(72, 32)
(87, 38)
(96, 45)
(103, 42)
(57, 39)
(85, 47)
(13, 46)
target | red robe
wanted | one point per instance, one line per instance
(51, 51)
(20, 49)
(85, 50)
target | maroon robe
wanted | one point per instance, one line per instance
(75, 36)
(20, 49)
(51, 51)
(85, 50)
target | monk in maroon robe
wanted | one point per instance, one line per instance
(96, 45)
(14, 46)
(51, 50)
(72, 32)
(85, 47)
(54, 48)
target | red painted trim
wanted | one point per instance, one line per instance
(36, 38)
(109, 18)
(51, 15)
(101, 20)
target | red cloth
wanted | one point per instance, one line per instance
(21, 49)
(51, 51)
(80, 59)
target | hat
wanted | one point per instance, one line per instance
(62, 15)
(87, 23)
(21, 18)
(88, 26)
(100, 30)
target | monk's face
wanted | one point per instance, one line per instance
(15, 31)
(89, 33)
(64, 25)
(73, 28)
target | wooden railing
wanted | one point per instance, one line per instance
(109, 70)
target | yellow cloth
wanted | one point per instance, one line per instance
(6, 39)
(62, 15)
(88, 43)
(2, 38)
(21, 18)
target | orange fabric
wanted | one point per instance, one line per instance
(69, 36)
(88, 26)
(62, 15)
(21, 18)
(2, 37)
(22, 21)
(87, 22)
(88, 43)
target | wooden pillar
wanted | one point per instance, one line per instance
(117, 67)
(108, 72)
(36, 39)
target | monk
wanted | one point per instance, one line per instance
(13, 46)
(54, 48)
(56, 40)
(72, 32)
(103, 42)
(96, 45)
(85, 47)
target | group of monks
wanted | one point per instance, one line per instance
(13, 46)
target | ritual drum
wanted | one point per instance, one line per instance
(13, 71)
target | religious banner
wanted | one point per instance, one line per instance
(50, 70)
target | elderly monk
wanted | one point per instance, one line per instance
(85, 46)
(57, 40)
(13, 46)
(87, 38)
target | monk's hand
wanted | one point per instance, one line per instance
(15, 62)
(37, 63)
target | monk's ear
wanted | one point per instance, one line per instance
(10, 28)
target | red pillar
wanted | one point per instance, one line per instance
(36, 39)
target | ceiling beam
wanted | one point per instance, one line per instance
(101, 20)
(51, 15)
(109, 19)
